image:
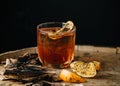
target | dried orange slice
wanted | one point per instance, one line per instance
(84, 69)
(69, 76)
(68, 26)
(97, 65)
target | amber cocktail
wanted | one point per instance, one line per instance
(55, 46)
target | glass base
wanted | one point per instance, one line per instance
(57, 66)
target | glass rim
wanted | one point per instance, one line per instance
(52, 23)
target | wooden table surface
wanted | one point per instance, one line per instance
(109, 75)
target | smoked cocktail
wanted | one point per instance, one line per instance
(56, 43)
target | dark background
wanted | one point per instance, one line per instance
(96, 21)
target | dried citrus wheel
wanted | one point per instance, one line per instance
(68, 26)
(84, 69)
(97, 65)
(69, 76)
